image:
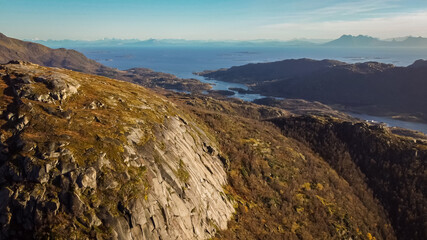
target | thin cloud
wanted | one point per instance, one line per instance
(414, 24)
(358, 7)
(354, 9)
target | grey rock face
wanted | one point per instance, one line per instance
(186, 200)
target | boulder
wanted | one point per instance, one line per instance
(66, 163)
(87, 179)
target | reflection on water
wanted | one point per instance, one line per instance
(220, 85)
(422, 127)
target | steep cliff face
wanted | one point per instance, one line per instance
(283, 189)
(87, 157)
(84, 156)
(369, 154)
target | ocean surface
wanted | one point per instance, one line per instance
(184, 61)
(421, 127)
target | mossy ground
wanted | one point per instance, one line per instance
(100, 117)
(281, 187)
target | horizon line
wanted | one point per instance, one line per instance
(226, 40)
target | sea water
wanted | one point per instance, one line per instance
(184, 61)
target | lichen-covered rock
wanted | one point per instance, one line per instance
(88, 178)
(29, 83)
(89, 157)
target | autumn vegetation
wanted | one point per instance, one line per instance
(314, 177)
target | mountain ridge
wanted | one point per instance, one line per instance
(368, 41)
(67, 137)
(14, 49)
(85, 156)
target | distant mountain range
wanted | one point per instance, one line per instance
(343, 41)
(15, 49)
(367, 41)
(172, 42)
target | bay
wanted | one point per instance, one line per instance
(184, 61)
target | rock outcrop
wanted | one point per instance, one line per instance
(85, 157)
(29, 83)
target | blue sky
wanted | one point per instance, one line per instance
(211, 19)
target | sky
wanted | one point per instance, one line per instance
(211, 19)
